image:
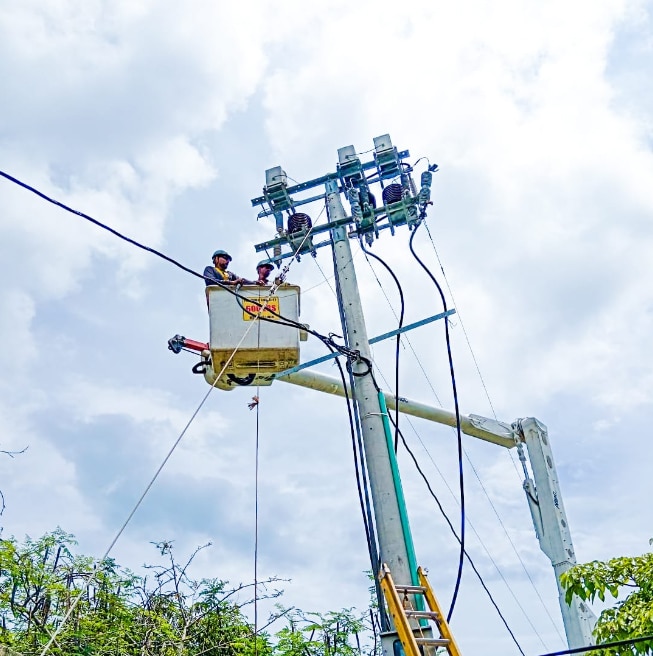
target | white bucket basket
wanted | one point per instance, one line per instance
(264, 348)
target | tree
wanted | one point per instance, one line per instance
(118, 612)
(632, 616)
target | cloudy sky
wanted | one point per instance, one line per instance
(160, 118)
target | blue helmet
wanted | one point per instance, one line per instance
(265, 263)
(223, 253)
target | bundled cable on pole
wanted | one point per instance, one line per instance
(398, 339)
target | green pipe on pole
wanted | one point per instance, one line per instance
(399, 492)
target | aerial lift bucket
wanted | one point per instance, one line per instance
(250, 350)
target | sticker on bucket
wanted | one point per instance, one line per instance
(253, 306)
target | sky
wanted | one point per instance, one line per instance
(160, 119)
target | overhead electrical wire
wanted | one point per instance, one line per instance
(458, 426)
(480, 540)
(469, 344)
(605, 645)
(462, 325)
(399, 327)
(442, 510)
(428, 381)
(405, 335)
(262, 307)
(149, 249)
(487, 394)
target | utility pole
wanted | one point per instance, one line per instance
(551, 525)
(392, 545)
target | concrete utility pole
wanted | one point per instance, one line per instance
(392, 545)
(551, 526)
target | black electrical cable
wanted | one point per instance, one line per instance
(369, 529)
(453, 531)
(100, 224)
(399, 327)
(458, 427)
(133, 242)
(374, 557)
(606, 645)
(357, 447)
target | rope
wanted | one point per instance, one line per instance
(256, 530)
(256, 461)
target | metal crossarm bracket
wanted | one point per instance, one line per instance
(373, 340)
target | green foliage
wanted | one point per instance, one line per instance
(329, 634)
(114, 612)
(118, 613)
(632, 616)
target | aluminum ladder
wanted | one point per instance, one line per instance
(410, 623)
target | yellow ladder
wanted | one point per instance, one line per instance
(401, 609)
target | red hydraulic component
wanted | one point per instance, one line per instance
(179, 342)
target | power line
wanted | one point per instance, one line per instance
(462, 325)
(546, 610)
(405, 336)
(114, 232)
(459, 437)
(399, 326)
(397, 432)
(178, 440)
(605, 645)
(438, 470)
(327, 341)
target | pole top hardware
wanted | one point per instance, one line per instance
(381, 193)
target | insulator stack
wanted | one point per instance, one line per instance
(393, 194)
(425, 191)
(354, 200)
(299, 222)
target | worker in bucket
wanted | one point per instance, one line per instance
(264, 269)
(218, 274)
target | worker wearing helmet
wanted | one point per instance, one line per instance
(264, 268)
(218, 274)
